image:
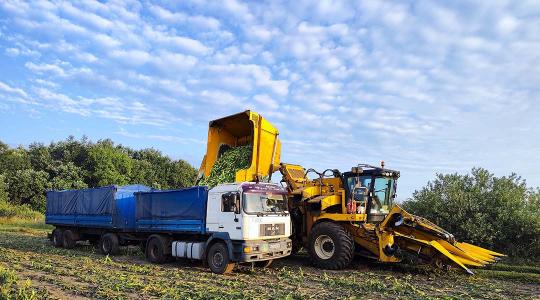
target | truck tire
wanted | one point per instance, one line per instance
(157, 250)
(57, 239)
(218, 259)
(330, 246)
(68, 239)
(109, 245)
(264, 263)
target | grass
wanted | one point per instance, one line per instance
(30, 268)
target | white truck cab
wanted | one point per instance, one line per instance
(255, 218)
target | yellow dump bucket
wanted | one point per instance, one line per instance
(245, 128)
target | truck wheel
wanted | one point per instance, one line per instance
(219, 260)
(330, 246)
(108, 244)
(57, 238)
(68, 239)
(156, 250)
(264, 264)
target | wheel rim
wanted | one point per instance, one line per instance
(217, 259)
(324, 247)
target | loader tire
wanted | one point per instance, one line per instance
(330, 246)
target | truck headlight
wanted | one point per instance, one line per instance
(250, 249)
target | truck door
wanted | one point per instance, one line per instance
(230, 219)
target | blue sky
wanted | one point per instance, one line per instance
(427, 86)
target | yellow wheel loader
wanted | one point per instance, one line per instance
(338, 215)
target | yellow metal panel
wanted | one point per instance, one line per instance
(310, 192)
(246, 128)
(330, 201)
(341, 217)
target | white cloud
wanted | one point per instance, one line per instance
(45, 68)
(266, 101)
(507, 24)
(6, 88)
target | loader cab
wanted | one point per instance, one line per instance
(372, 189)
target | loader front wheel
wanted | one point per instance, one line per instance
(330, 246)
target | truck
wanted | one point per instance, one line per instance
(234, 223)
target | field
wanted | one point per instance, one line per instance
(30, 268)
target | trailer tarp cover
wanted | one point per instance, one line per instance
(184, 204)
(92, 201)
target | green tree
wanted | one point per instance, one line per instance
(494, 212)
(71, 150)
(181, 174)
(40, 157)
(3, 189)
(14, 159)
(28, 187)
(108, 165)
(66, 176)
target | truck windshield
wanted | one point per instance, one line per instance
(255, 203)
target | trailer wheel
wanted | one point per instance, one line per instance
(156, 250)
(330, 246)
(219, 260)
(68, 239)
(109, 245)
(264, 263)
(57, 238)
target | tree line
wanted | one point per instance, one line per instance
(26, 173)
(499, 213)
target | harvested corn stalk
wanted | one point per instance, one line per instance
(226, 166)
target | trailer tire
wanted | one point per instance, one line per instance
(57, 239)
(109, 245)
(330, 246)
(156, 250)
(218, 259)
(68, 239)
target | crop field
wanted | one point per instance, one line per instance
(30, 268)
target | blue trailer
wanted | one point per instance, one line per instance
(192, 223)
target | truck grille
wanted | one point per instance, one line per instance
(272, 229)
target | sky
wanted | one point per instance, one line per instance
(427, 86)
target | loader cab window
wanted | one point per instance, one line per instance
(357, 186)
(383, 195)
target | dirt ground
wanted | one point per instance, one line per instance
(41, 271)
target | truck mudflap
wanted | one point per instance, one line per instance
(422, 237)
(260, 250)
